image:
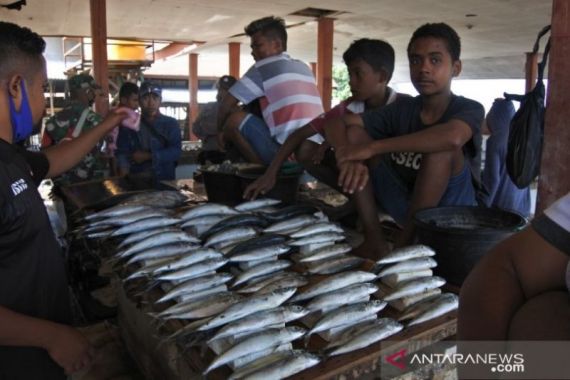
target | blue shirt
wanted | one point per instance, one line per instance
(161, 138)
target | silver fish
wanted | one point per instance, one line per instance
(142, 235)
(347, 315)
(241, 372)
(195, 270)
(258, 342)
(155, 240)
(256, 204)
(286, 367)
(196, 285)
(317, 228)
(297, 222)
(443, 304)
(412, 287)
(250, 306)
(322, 237)
(190, 258)
(381, 329)
(257, 283)
(335, 265)
(406, 253)
(195, 296)
(163, 251)
(261, 269)
(261, 253)
(233, 234)
(207, 307)
(335, 282)
(132, 217)
(206, 220)
(326, 252)
(145, 224)
(116, 211)
(261, 320)
(411, 265)
(207, 209)
(343, 296)
(296, 282)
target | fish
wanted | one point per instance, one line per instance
(326, 252)
(322, 237)
(116, 211)
(406, 253)
(296, 222)
(159, 239)
(335, 265)
(240, 220)
(317, 228)
(347, 315)
(241, 372)
(207, 209)
(163, 251)
(294, 281)
(235, 233)
(122, 220)
(148, 268)
(285, 367)
(343, 296)
(207, 307)
(410, 265)
(260, 320)
(261, 253)
(377, 331)
(250, 306)
(194, 296)
(256, 204)
(257, 242)
(335, 282)
(257, 342)
(142, 235)
(290, 212)
(145, 224)
(261, 269)
(194, 271)
(443, 304)
(208, 220)
(191, 257)
(257, 283)
(196, 285)
(415, 286)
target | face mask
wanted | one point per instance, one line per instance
(22, 122)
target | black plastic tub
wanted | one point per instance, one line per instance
(223, 188)
(462, 235)
(286, 185)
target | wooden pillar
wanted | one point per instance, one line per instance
(233, 49)
(98, 10)
(531, 71)
(314, 68)
(193, 89)
(554, 180)
(324, 60)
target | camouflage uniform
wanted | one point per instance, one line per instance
(60, 127)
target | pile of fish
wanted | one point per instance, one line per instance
(241, 275)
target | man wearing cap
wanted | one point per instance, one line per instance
(75, 118)
(155, 149)
(205, 126)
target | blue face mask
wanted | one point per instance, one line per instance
(22, 122)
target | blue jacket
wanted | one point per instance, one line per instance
(498, 189)
(164, 142)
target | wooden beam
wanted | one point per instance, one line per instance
(193, 89)
(233, 49)
(98, 9)
(554, 180)
(531, 71)
(324, 59)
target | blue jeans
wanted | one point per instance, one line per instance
(393, 196)
(257, 134)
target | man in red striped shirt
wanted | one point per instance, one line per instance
(285, 89)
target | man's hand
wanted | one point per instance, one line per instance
(260, 186)
(346, 153)
(353, 176)
(116, 116)
(320, 153)
(70, 349)
(141, 156)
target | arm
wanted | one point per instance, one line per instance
(65, 345)
(227, 106)
(65, 156)
(336, 129)
(266, 182)
(517, 269)
(172, 151)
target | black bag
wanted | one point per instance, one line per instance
(526, 131)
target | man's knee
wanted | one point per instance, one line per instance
(304, 152)
(357, 135)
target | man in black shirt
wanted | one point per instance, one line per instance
(36, 341)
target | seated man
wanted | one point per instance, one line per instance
(154, 150)
(422, 151)
(370, 66)
(519, 290)
(284, 87)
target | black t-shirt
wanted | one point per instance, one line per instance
(32, 273)
(403, 117)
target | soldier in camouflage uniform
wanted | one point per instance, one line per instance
(75, 118)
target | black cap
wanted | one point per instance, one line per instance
(149, 88)
(226, 82)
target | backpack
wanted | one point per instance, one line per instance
(526, 131)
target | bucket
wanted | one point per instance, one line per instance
(224, 188)
(462, 235)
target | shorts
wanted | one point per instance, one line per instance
(257, 134)
(393, 196)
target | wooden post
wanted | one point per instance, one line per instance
(233, 49)
(99, 47)
(324, 60)
(531, 71)
(554, 180)
(314, 68)
(193, 89)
